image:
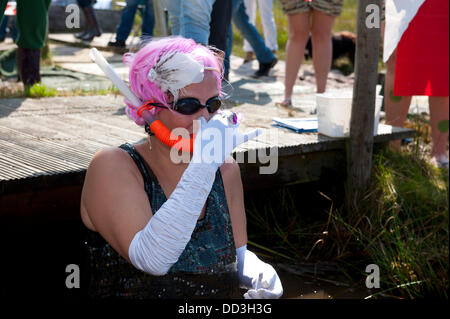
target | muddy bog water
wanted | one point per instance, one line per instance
(298, 287)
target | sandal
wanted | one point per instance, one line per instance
(286, 103)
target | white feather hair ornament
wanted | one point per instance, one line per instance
(176, 70)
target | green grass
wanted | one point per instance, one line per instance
(39, 90)
(402, 224)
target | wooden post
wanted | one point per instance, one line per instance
(360, 145)
(160, 19)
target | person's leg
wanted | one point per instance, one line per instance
(2, 8)
(250, 9)
(439, 117)
(322, 24)
(126, 20)
(226, 62)
(220, 24)
(298, 33)
(32, 24)
(148, 19)
(92, 17)
(195, 18)
(4, 28)
(268, 23)
(14, 31)
(82, 4)
(396, 107)
(174, 9)
(249, 32)
(28, 66)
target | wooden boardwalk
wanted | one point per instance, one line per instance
(46, 144)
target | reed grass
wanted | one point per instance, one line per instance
(401, 224)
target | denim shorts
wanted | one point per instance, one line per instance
(331, 7)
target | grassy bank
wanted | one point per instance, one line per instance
(401, 226)
(38, 90)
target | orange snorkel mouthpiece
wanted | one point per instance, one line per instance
(162, 133)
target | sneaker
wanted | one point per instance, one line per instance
(264, 68)
(80, 35)
(117, 44)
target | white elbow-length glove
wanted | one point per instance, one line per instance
(258, 277)
(158, 246)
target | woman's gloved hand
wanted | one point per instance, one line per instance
(258, 277)
(221, 135)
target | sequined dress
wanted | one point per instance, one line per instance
(207, 268)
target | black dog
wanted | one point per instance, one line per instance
(344, 44)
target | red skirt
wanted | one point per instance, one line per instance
(422, 66)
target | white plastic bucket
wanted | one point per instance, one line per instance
(334, 111)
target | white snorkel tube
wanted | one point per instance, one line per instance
(98, 58)
(161, 132)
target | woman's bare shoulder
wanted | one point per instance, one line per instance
(112, 163)
(110, 172)
(113, 200)
(111, 156)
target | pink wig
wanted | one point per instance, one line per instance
(141, 62)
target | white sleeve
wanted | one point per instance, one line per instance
(158, 246)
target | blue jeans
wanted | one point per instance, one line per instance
(4, 26)
(127, 19)
(190, 18)
(250, 33)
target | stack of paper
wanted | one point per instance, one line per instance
(298, 124)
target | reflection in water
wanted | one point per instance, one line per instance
(315, 295)
(300, 287)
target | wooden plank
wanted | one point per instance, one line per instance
(35, 158)
(59, 105)
(52, 134)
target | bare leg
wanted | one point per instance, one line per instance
(396, 107)
(299, 26)
(439, 114)
(322, 24)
